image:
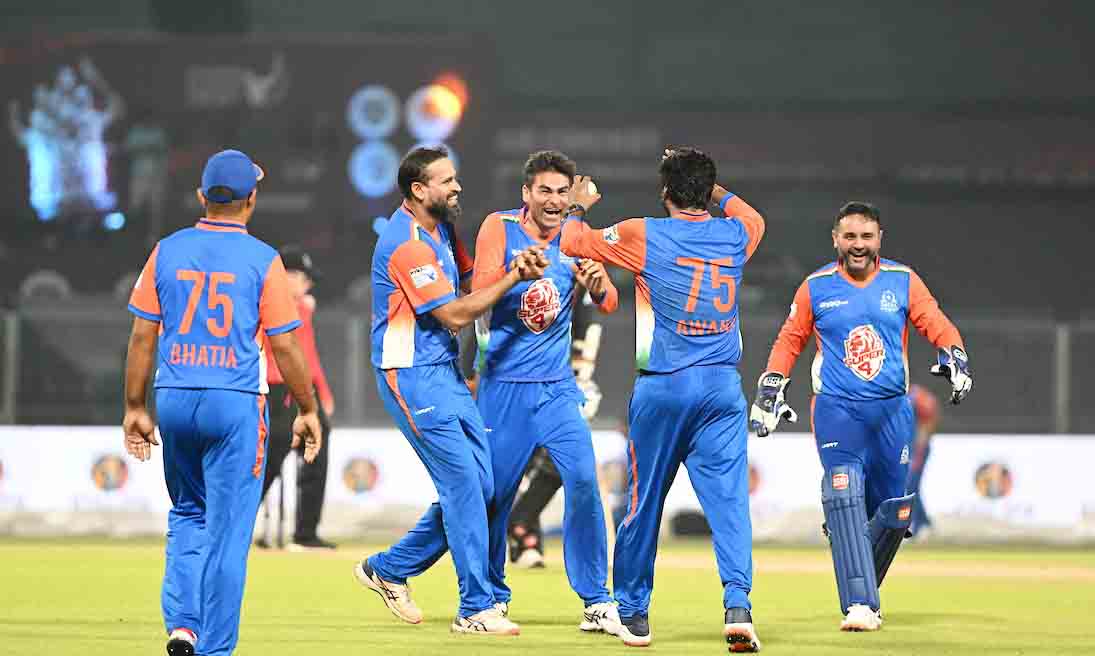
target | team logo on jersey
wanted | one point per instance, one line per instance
(864, 352)
(888, 302)
(840, 481)
(423, 275)
(540, 305)
(611, 235)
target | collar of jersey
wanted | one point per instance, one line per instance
(221, 225)
(693, 216)
(840, 270)
(525, 225)
(418, 226)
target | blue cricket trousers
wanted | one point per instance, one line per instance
(436, 413)
(520, 417)
(696, 416)
(213, 452)
(873, 435)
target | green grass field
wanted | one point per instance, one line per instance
(94, 598)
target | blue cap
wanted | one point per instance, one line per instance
(232, 170)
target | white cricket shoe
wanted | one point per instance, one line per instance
(395, 596)
(530, 559)
(486, 622)
(502, 607)
(861, 618)
(600, 617)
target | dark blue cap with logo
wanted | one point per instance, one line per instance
(229, 175)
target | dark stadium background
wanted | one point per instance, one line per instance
(971, 126)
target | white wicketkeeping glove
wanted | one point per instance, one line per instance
(954, 365)
(769, 406)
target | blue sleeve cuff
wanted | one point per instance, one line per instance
(142, 314)
(722, 204)
(436, 303)
(292, 325)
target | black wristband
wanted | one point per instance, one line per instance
(575, 208)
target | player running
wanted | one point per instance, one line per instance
(209, 291)
(416, 315)
(528, 395)
(687, 405)
(859, 308)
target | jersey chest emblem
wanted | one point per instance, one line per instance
(864, 352)
(888, 303)
(539, 305)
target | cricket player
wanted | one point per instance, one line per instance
(859, 309)
(927, 411)
(525, 534)
(211, 292)
(417, 267)
(528, 395)
(688, 405)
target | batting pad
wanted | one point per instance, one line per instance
(846, 517)
(888, 527)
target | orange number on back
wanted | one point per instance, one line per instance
(718, 279)
(198, 278)
(216, 299)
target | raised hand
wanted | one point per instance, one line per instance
(583, 192)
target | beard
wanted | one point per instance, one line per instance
(442, 211)
(872, 259)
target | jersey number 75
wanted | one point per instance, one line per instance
(215, 299)
(718, 281)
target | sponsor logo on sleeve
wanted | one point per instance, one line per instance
(611, 235)
(424, 275)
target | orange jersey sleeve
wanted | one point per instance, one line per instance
(490, 253)
(277, 311)
(929, 320)
(735, 207)
(144, 299)
(623, 244)
(793, 335)
(611, 301)
(415, 269)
